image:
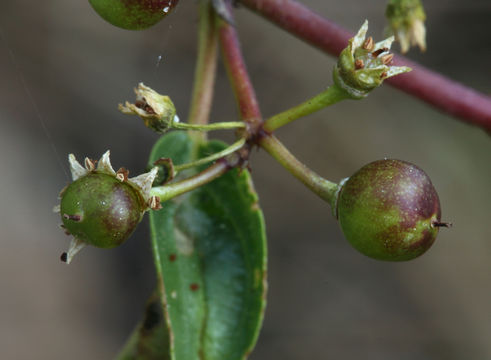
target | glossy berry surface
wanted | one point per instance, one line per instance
(101, 210)
(133, 14)
(389, 210)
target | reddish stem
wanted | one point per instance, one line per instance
(437, 90)
(239, 77)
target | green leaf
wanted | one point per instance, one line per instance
(210, 253)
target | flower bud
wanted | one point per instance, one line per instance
(406, 21)
(102, 207)
(389, 210)
(364, 65)
(157, 111)
(133, 14)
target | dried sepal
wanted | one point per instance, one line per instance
(359, 39)
(144, 182)
(157, 111)
(363, 65)
(104, 164)
(76, 169)
(75, 246)
(396, 70)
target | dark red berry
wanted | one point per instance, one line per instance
(133, 14)
(389, 210)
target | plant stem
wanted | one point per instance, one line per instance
(431, 87)
(332, 95)
(209, 127)
(249, 111)
(325, 189)
(204, 76)
(232, 148)
(238, 76)
(167, 192)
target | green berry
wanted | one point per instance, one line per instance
(101, 210)
(102, 207)
(389, 210)
(133, 14)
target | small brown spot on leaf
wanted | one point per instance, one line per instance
(172, 257)
(194, 287)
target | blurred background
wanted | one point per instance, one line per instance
(64, 70)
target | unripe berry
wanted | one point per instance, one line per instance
(133, 14)
(102, 207)
(101, 210)
(389, 210)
